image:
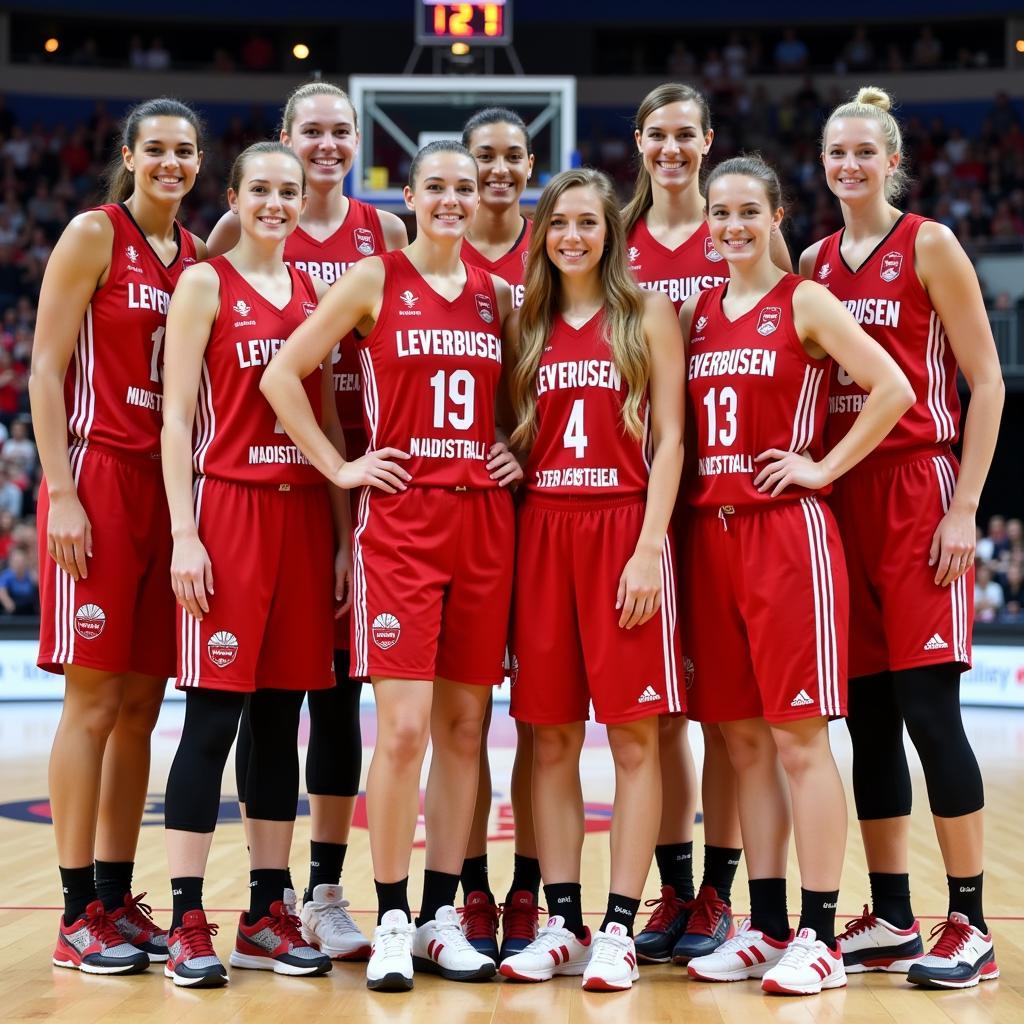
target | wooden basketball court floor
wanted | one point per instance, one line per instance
(31, 989)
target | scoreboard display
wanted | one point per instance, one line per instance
(488, 24)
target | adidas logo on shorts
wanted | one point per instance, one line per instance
(936, 643)
(801, 700)
(648, 695)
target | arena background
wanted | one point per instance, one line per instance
(69, 70)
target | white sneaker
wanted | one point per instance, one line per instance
(327, 924)
(556, 950)
(960, 958)
(871, 944)
(441, 947)
(390, 966)
(807, 966)
(748, 954)
(612, 966)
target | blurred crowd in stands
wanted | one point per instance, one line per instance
(999, 572)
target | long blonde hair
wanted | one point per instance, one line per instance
(874, 104)
(623, 309)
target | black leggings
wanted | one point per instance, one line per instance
(927, 701)
(334, 759)
(211, 723)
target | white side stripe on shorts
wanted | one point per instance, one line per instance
(191, 661)
(359, 585)
(64, 583)
(958, 589)
(824, 607)
(668, 628)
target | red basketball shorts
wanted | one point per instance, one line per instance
(121, 618)
(765, 612)
(887, 513)
(568, 648)
(269, 625)
(433, 581)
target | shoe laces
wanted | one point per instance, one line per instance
(337, 916)
(668, 907)
(953, 936)
(798, 953)
(479, 920)
(707, 912)
(518, 921)
(286, 925)
(141, 914)
(452, 935)
(866, 921)
(549, 937)
(744, 938)
(197, 939)
(609, 949)
(102, 927)
(392, 940)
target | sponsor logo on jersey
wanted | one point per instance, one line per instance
(242, 308)
(892, 264)
(409, 298)
(484, 308)
(386, 630)
(222, 648)
(826, 269)
(711, 252)
(633, 254)
(702, 322)
(690, 670)
(309, 308)
(363, 237)
(89, 621)
(132, 253)
(769, 320)
(187, 261)
(526, 253)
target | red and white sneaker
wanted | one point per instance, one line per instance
(135, 922)
(960, 958)
(192, 961)
(519, 922)
(327, 925)
(612, 965)
(807, 967)
(556, 950)
(94, 945)
(870, 943)
(748, 954)
(441, 947)
(275, 943)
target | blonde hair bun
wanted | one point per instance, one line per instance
(873, 96)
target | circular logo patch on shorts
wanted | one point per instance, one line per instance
(89, 621)
(222, 648)
(386, 631)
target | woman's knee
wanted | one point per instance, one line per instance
(749, 745)
(140, 708)
(555, 745)
(634, 744)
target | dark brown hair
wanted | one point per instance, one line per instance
(256, 149)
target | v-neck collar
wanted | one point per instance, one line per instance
(307, 237)
(757, 304)
(448, 303)
(277, 311)
(664, 249)
(491, 264)
(874, 252)
(148, 244)
(582, 327)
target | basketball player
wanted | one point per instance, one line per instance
(765, 598)
(107, 615)
(251, 513)
(669, 250)
(498, 241)
(906, 516)
(598, 391)
(334, 231)
(433, 563)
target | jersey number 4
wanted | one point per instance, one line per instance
(574, 436)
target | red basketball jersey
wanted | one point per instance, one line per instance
(581, 445)
(511, 267)
(751, 387)
(113, 390)
(693, 267)
(359, 235)
(431, 369)
(237, 436)
(887, 299)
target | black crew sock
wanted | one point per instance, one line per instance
(965, 898)
(525, 877)
(79, 887)
(393, 896)
(266, 886)
(720, 863)
(474, 877)
(818, 911)
(890, 898)
(565, 899)
(675, 865)
(325, 863)
(186, 895)
(621, 910)
(439, 890)
(768, 907)
(113, 882)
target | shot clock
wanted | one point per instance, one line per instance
(487, 24)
